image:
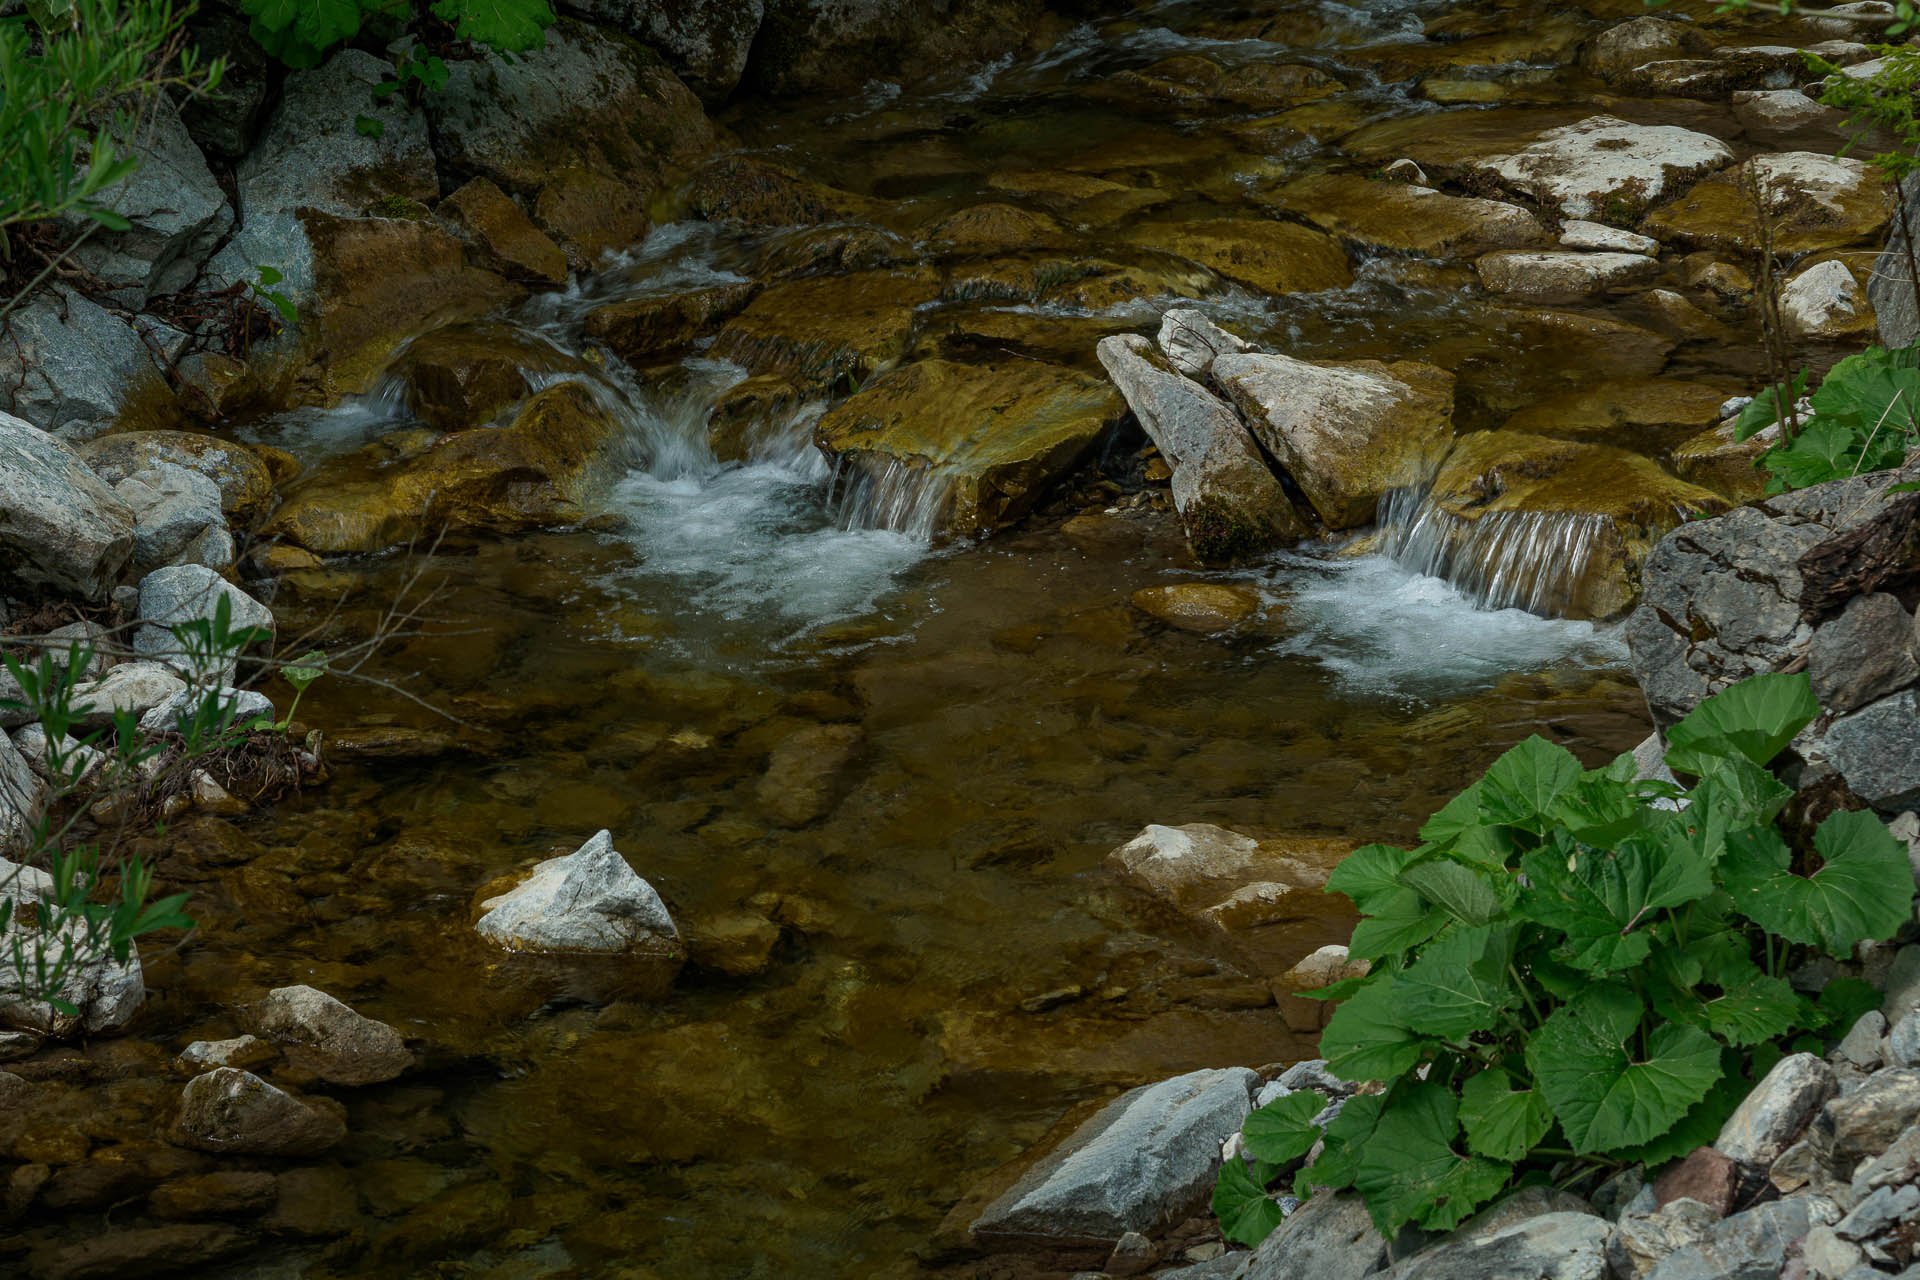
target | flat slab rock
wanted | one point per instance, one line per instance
(1607, 170)
(1147, 1160)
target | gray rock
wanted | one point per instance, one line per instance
(182, 596)
(322, 1037)
(1903, 985)
(15, 1045)
(177, 209)
(590, 900)
(1621, 48)
(705, 41)
(1223, 1267)
(1603, 169)
(1827, 1256)
(1750, 1245)
(1864, 654)
(1789, 119)
(69, 365)
(1553, 1246)
(21, 794)
(310, 156)
(1221, 484)
(60, 526)
(1132, 1254)
(238, 706)
(1313, 1074)
(135, 687)
(1330, 1237)
(77, 760)
(1862, 1045)
(1552, 277)
(106, 992)
(206, 1055)
(1611, 1198)
(1824, 303)
(1191, 342)
(172, 507)
(1884, 1208)
(1903, 1042)
(1891, 1168)
(1890, 288)
(1520, 1206)
(1773, 1114)
(232, 1112)
(1860, 1125)
(1642, 1241)
(1878, 753)
(1146, 1161)
(214, 549)
(1795, 1168)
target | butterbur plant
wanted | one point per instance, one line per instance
(1575, 971)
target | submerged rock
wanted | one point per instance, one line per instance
(1607, 170)
(1272, 257)
(1346, 433)
(1146, 1161)
(464, 375)
(232, 1112)
(804, 771)
(1205, 607)
(324, 1038)
(996, 437)
(1407, 218)
(60, 526)
(1229, 501)
(1562, 277)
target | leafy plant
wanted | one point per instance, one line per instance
(1576, 971)
(79, 77)
(300, 33)
(1866, 416)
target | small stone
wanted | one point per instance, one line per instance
(1794, 1168)
(1706, 1176)
(1330, 1237)
(1862, 1045)
(590, 900)
(1860, 1125)
(1770, 1117)
(1203, 607)
(1903, 1042)
(232, 1112)
(1313, 1074)
(1405, 170)
(1132, 1255)
(237, 706)
(1884, 1208)
(322, 1037)
(135, 687)
(1641, 1241)
(242, 1051)
(1827, 1256)
(1192, 342)
(1753, 1243)
(15, 1045)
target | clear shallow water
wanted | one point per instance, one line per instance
(1012, 719)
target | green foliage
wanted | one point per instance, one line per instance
(300, 33)
(263, 290)
(1576, 971)
(1866, 416)
(77, 78)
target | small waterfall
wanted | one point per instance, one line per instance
(895, 496)
(1539, 561)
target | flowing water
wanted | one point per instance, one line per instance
(1005, 719)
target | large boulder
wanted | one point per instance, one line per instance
(1346, 433)
(1606, 170)
(183, 596)
(1244, 889)
(325, 1039)
(1812, 202)
(588, 901)
(995, 438)
(244, 479)
(1145, 1162)
(173, 510)
(549, 467)
(1556, 527)
(232, 1112)
(705, 41)
(69, 364)
(61, 527)
(583, 129)
(1731, 597)
(21, 793)
(176, 211)
(1229, 501)
(1406, 218)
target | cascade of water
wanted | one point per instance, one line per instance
(897, 497)
(1532, 560)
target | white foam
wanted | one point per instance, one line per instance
(1384, 631)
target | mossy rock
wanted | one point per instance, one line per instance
(825, 332)
(1271, 257)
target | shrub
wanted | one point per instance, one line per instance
(1577, 971)
(1866, 416)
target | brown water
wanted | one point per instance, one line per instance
(1015, 719)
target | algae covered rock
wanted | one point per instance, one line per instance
(821, 330)
(463, 375)
(560, 453)
(643, 329)
(997, 436)
(1811, 201)
(1562, 277)
(501, 235)
(232, 1112)
(1204, 607)
(1272, 257)
(745, 191)
(1346, 433)
(244, 479)
(1407, 218)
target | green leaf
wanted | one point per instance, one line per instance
(1370, 874)
(1247, 1213)
(1844, 1001)
(1365, 1038)
(1712, 983)
(1605, 900)
(1605, 1097)
(269, 276)
(511, 26)
(1465, 894)
(305, 670)
(1412, 1171)
(1755, 718)
(1521, 786)
(1601, 809)
(1864, 890)
(1403, 921)
(1456, 816)
(368, 126)
(1502, 1122)
(1283, 1130)
(1458, 986)
(1347, 1137)
(1702, 1123)
(106, 218)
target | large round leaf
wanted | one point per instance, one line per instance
(1502, 1122)
(1604, 1096)
(1416, 1167)
(1283, 1130)
(1864, 890)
